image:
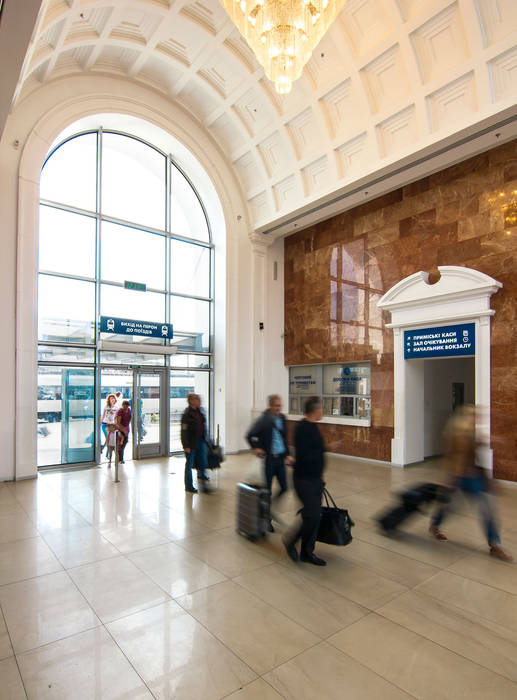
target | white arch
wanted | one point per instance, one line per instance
(460, 294)
(35, 124)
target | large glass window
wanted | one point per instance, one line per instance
(66, 242)
(66, 310)
(123, 257)
(133, 181)
(124, 235)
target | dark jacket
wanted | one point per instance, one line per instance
(310, 449)
(189, 433)
(260, 435)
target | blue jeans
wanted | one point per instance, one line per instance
(196, 459)
(474, 487)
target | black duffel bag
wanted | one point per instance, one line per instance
(335, 524)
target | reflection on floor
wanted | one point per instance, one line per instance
(137, 590)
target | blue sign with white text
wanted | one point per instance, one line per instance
(443, 341)
(129, 326)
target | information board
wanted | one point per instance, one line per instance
(130, 326)
(442, 341)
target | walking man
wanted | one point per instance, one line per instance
(193, 439)
(268, 438)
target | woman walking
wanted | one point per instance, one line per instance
(109, 416)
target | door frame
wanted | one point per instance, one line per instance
(154, 449)
(459, 295)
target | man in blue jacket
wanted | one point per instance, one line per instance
(268, 438)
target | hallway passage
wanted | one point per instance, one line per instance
(138, 590)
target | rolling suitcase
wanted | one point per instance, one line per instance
(411, 499)
(252, 511)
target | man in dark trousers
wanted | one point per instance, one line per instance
(308, 482)
(193, 439)
(268, 438)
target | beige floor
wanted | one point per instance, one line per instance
(137, 590)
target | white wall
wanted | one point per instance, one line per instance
(33, 126)
(439, 376)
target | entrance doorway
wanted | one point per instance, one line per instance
(147, 391)
(448, 384)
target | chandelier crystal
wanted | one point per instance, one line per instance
(282, 33)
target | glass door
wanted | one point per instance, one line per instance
(150, 413)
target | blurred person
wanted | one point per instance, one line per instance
(109, 416)
(119, 398)
(463, 474)
(123, 423)
(193, 440)
(308, 482)
(268, 438)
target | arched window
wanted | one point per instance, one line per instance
(123, 236)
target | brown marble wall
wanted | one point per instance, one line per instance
(336, 271)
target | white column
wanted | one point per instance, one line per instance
(26, 332)
(259, 290)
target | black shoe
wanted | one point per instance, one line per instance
(313, 559)
(270, 527)
(206, 489)
(291, 551)
(192, 490)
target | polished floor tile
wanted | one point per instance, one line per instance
(485, 569)
(78, 546)
(44, 609)
(325, 672)
(258, 633)
(16, 526)
(86, 666)
(309, 604)
(5, 643)
(162, 598)
(130, 537)
(363, 586)
(49, 519)
(175, 570)
(24, 559)
(228, 553)
(116, 587)
(416, 665)
(256, 690)
(11, 686)
(405, 570)
(469, 635)
(177, 657)
(475, 598)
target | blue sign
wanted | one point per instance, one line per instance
(443, 341)
(128, 326)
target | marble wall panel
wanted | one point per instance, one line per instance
(336, 270)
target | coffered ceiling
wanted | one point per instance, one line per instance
(391, 77)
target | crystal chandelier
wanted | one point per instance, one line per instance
(282, 33)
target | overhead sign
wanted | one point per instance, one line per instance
(443, 341)
(129, 326)
(138, 286)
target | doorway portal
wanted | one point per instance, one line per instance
(448, 384)
(460, 296)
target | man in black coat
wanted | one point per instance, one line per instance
(193, 439)
(268, 438)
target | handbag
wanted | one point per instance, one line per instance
(215, 454)
(335, 524)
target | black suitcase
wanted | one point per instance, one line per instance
(252, 511)
(411, 499)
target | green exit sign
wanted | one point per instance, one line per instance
(137, 286)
